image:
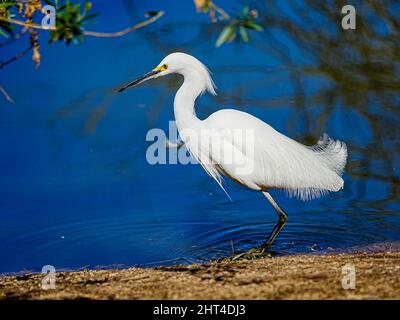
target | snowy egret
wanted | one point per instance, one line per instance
(277, 161)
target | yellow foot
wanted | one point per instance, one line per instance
(254, 253)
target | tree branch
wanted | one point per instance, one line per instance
(14, 38)
(125, 31)
(5, 94)
(23, 24)
(86, 33)
(221, 11)
(92, 33)
(18, 56)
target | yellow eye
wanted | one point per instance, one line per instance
(161, 68)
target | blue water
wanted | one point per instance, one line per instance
(76, 189)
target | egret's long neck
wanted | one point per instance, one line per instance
(184, 103)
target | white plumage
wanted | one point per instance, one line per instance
(280, 162)
(267, 159)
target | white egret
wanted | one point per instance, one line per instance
(276, 160)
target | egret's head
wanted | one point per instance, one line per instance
(181, 63)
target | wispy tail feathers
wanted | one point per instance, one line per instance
(332, 152)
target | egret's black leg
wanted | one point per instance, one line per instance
(281, 223)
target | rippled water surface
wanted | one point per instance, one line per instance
(77, 190)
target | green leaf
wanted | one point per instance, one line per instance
(3, 34)
(252, 25)
(87, 7)
(232, 35)
(71, 19)
(8, 4)
(91, 16)
(224, 35)
(243, 34)
(246, 10)
(6, 29)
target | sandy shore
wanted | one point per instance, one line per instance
(291, 277)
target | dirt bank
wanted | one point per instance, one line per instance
(292, 277)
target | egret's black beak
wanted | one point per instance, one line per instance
(140, 80)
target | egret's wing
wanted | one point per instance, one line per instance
(278, 161)
(199, 144)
